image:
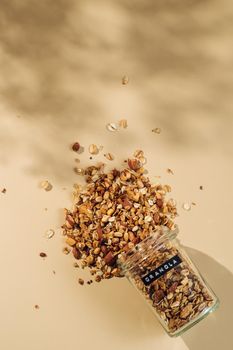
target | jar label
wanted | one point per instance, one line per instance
(161, 270)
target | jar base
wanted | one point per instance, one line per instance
(205, 313)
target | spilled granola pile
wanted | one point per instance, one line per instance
(112, 213)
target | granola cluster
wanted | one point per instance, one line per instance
(112, 213)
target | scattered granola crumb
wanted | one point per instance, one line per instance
(49, 233)
(81, 281)
(79, 171)
(43, 255)
(112, 127)
(54, 272)
(201, 187)
(3, 190)
(66, 250)
(186, 206)
(156, 130)
(93, 149)
(123, 123)
(109, 156)
(76, 265)
(46, 209)
(46, 185)
(76, 147)
(77, 160)
(36, 307)
(193, 203)
(125, 80)
(169, 171)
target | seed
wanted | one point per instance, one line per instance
(76, 147)
(156, 130)
(99, 199)
(112, 127)
(123, 123)
(109, 156)
(93, 149)
(135, 228)
(81, 281)
(43, 255)
(125, 80)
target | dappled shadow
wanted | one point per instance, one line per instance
(60, 61)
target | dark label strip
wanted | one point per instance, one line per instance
(161, 270)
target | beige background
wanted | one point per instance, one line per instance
(61, 64)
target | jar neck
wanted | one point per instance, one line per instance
(129, 259)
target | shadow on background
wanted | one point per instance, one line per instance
(118, 300)
(61, 61)
(215, 331)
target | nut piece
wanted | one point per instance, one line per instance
(134, 164)
(112, 127)
(123, 123)
(46, 185)
(186, 311)
(125, 80)
(76, 147)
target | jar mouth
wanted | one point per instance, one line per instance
(155, 239)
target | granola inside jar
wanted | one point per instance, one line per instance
(163, 273)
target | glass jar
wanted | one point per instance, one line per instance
(166, 277)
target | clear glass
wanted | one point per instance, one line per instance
(165, 276)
